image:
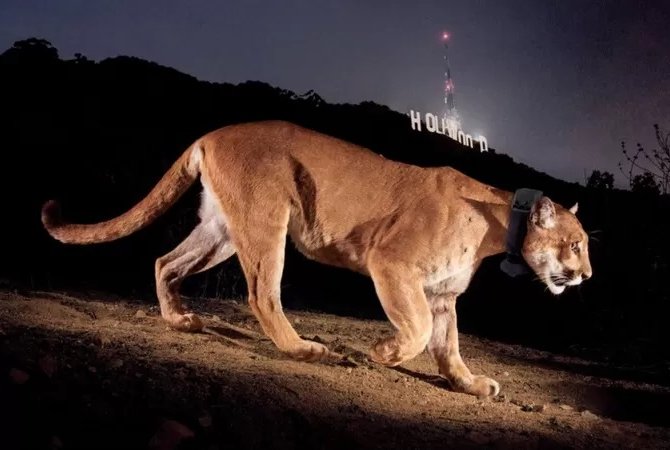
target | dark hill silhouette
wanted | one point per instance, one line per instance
(98, 135)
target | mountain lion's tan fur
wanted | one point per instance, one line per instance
(419, 233)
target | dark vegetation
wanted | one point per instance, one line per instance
(98, 135)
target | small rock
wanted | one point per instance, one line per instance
(205, 420)
(216, 318)
(297, 321)
(349, 369)
(565, 407)
(140, 314)
(18, 376)
(318, 339)
(531, 407)
(348, 361)
(47, 365)
(501, 398)
(92, 369)
(479, 438)
(340, 348)
(169, 435)
(55, 443)
(588, 415)
(117, 363)
(505, 374)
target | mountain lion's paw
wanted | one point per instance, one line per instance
(386, 352)
(478, 385)
(309, 351)
(185, 322)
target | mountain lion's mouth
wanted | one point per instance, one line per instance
(555, 288)
(556, 284)
(560, 280)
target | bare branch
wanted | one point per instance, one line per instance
(656, 164)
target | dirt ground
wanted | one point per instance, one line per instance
(93, 372)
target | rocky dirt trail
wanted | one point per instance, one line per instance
(93, 372)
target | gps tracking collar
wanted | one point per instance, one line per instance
(522, 203)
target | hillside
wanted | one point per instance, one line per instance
(99, 372)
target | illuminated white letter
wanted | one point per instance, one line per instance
(443, 130)
(468, 140)
(483, 144)
(451, 127)
(431, 122)
(461, 137)
(416, 120)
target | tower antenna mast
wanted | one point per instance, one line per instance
(452, 120)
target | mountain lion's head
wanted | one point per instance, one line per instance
(556, 246)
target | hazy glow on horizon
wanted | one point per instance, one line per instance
(553, 90)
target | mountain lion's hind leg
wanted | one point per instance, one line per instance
(208, 245)
(443, 347)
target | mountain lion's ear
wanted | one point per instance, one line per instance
(574, 208)
(543, 213)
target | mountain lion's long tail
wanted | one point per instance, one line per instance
(174, 183)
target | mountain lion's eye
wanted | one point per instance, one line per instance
(574, 247)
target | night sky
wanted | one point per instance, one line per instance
(555, 84)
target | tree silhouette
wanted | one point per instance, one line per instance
(81, 59)
(645, 183)
(600, 180)
(30, 51)
(654, 164)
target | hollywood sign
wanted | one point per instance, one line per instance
(441, 125)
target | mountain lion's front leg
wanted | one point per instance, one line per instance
(404, 302)
(443, 347)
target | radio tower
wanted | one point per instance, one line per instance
(452, 121)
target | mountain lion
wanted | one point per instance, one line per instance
(419, 233)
